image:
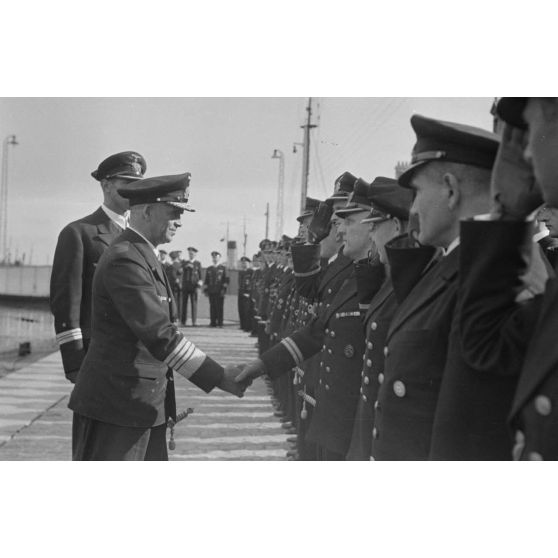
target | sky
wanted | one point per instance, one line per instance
(225, 143)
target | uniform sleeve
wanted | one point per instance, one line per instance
(307, 269)
(135, 297)
(65, 297)
(495, 329)
(294, 350)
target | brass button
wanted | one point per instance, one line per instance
(386, 351)
(332, 334)
(321, 364)
(327, 331)
(380, 378)
(372, 459)
(543, 405)
(364, 398)
(399, 388)
(327, 387)
(327, 369)
(329, 291)
(361, 391)
(320, 382)
(369, 345)
(366, 380)
(376, 405)
(535, 456)
(373, 326)
(369, 363)
(330, 351)
(519, 437)
(375, 433)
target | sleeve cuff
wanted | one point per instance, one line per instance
(208, 375)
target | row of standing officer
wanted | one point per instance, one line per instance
(432, 384)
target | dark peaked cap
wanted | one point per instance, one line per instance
(127, 164)
(510, 110)
(172, 189)
(310, 206)
(438, 140)
(344, 185)
(359, 200)
(389, 200)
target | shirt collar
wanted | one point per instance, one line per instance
(453, 245)
(333, 258)
(540, 235)
(155, 251)
(120, 220)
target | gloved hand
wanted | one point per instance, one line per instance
(320, 224)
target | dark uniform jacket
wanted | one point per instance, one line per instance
(415, 356)
(336, 333)
(245, 282)
(377, 319)
(123, 378)
(80, 245)
(502, 338)
(216, 280)
(191, 275)
(174, 272)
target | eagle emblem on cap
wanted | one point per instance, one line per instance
(137, 167)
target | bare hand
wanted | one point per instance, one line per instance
(229, 382)
(513, 189)
(251, 371)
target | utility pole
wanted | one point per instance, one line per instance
(266, 220)
(278, 154)
(306, 161)
(245, 237)
(8, 140)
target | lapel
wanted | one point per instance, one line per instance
(346, 292)
(541, 358)
(107, 231)
(333, 270)
(429, 287)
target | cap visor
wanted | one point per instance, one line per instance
(349, 210)
(181, 205)
(405, 179)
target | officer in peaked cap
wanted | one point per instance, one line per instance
(80, 245)
(191, 283)
(448, 142)
(244, 294)
(124, 393)
(388, 220)
(462, 414)
(215, 286)
(523, 339)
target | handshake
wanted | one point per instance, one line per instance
(236, 379)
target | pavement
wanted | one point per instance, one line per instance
(35, 422)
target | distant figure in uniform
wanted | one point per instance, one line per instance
(215, 287)
(124, 393)
(191, 282)
(80, 245)
(163, 258)
(244, 297)
(174, 273)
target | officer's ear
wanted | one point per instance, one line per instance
(452, 190)
(398, 225)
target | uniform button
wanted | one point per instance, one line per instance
(321, 364)
(361, 391)
(374, 326)
(519, 437)
(535, 456)
(327, 331)
(399, 388)
(364, 398)
(330, 351)
(332, 334)
(380, 378)
(327, 369)
(320, 382)
(543, 405)
(366, 380)
(369, 363)
(386, 351)
(327, 387)
(376, 405)
(372, 459)
(329, 291)
(323, 347)
(375, 433)
(369, 345)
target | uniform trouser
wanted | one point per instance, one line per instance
(93, 440)
(244, 312)
(216, 302)
(323, 454)
(193, 297)
(177, 293)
